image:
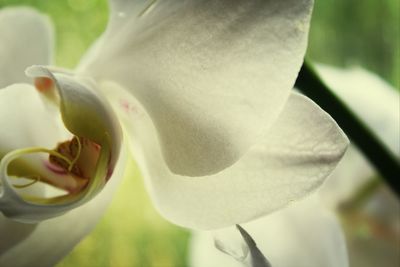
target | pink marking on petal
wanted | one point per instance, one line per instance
(129, 108)
(96, 146)
(54, 168)
(125, 105)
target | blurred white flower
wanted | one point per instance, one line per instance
(377, 104)
(372, 227)
(305, 234)
(200, 88)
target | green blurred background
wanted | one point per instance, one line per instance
(344, 33)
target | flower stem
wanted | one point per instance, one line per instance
(374, 150)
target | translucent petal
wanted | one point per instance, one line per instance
(19, 27)
(294, 158)
(230, 242)
(302, 235)
(257, 258)
(213, 75)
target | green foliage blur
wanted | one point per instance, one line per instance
(77, 23)
(364, 33)
(344, 33)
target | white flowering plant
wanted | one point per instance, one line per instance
(199, 93)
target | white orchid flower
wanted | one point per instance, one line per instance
(304, 234)
(202, 88)
(377, 103)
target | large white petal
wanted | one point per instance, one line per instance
(213, 75)
(378, 105)
(302, 235)
(44, 244)
(26, 38)
(295, 156)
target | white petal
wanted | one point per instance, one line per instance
(84, 114)
(230, 242)
(26, 38)
(378, 105)
(46, 243)
(299, 151)
(213, 75)
(302, 235)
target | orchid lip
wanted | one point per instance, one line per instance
(62, 164)
(12, 202)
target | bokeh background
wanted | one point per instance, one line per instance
(344, 33)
